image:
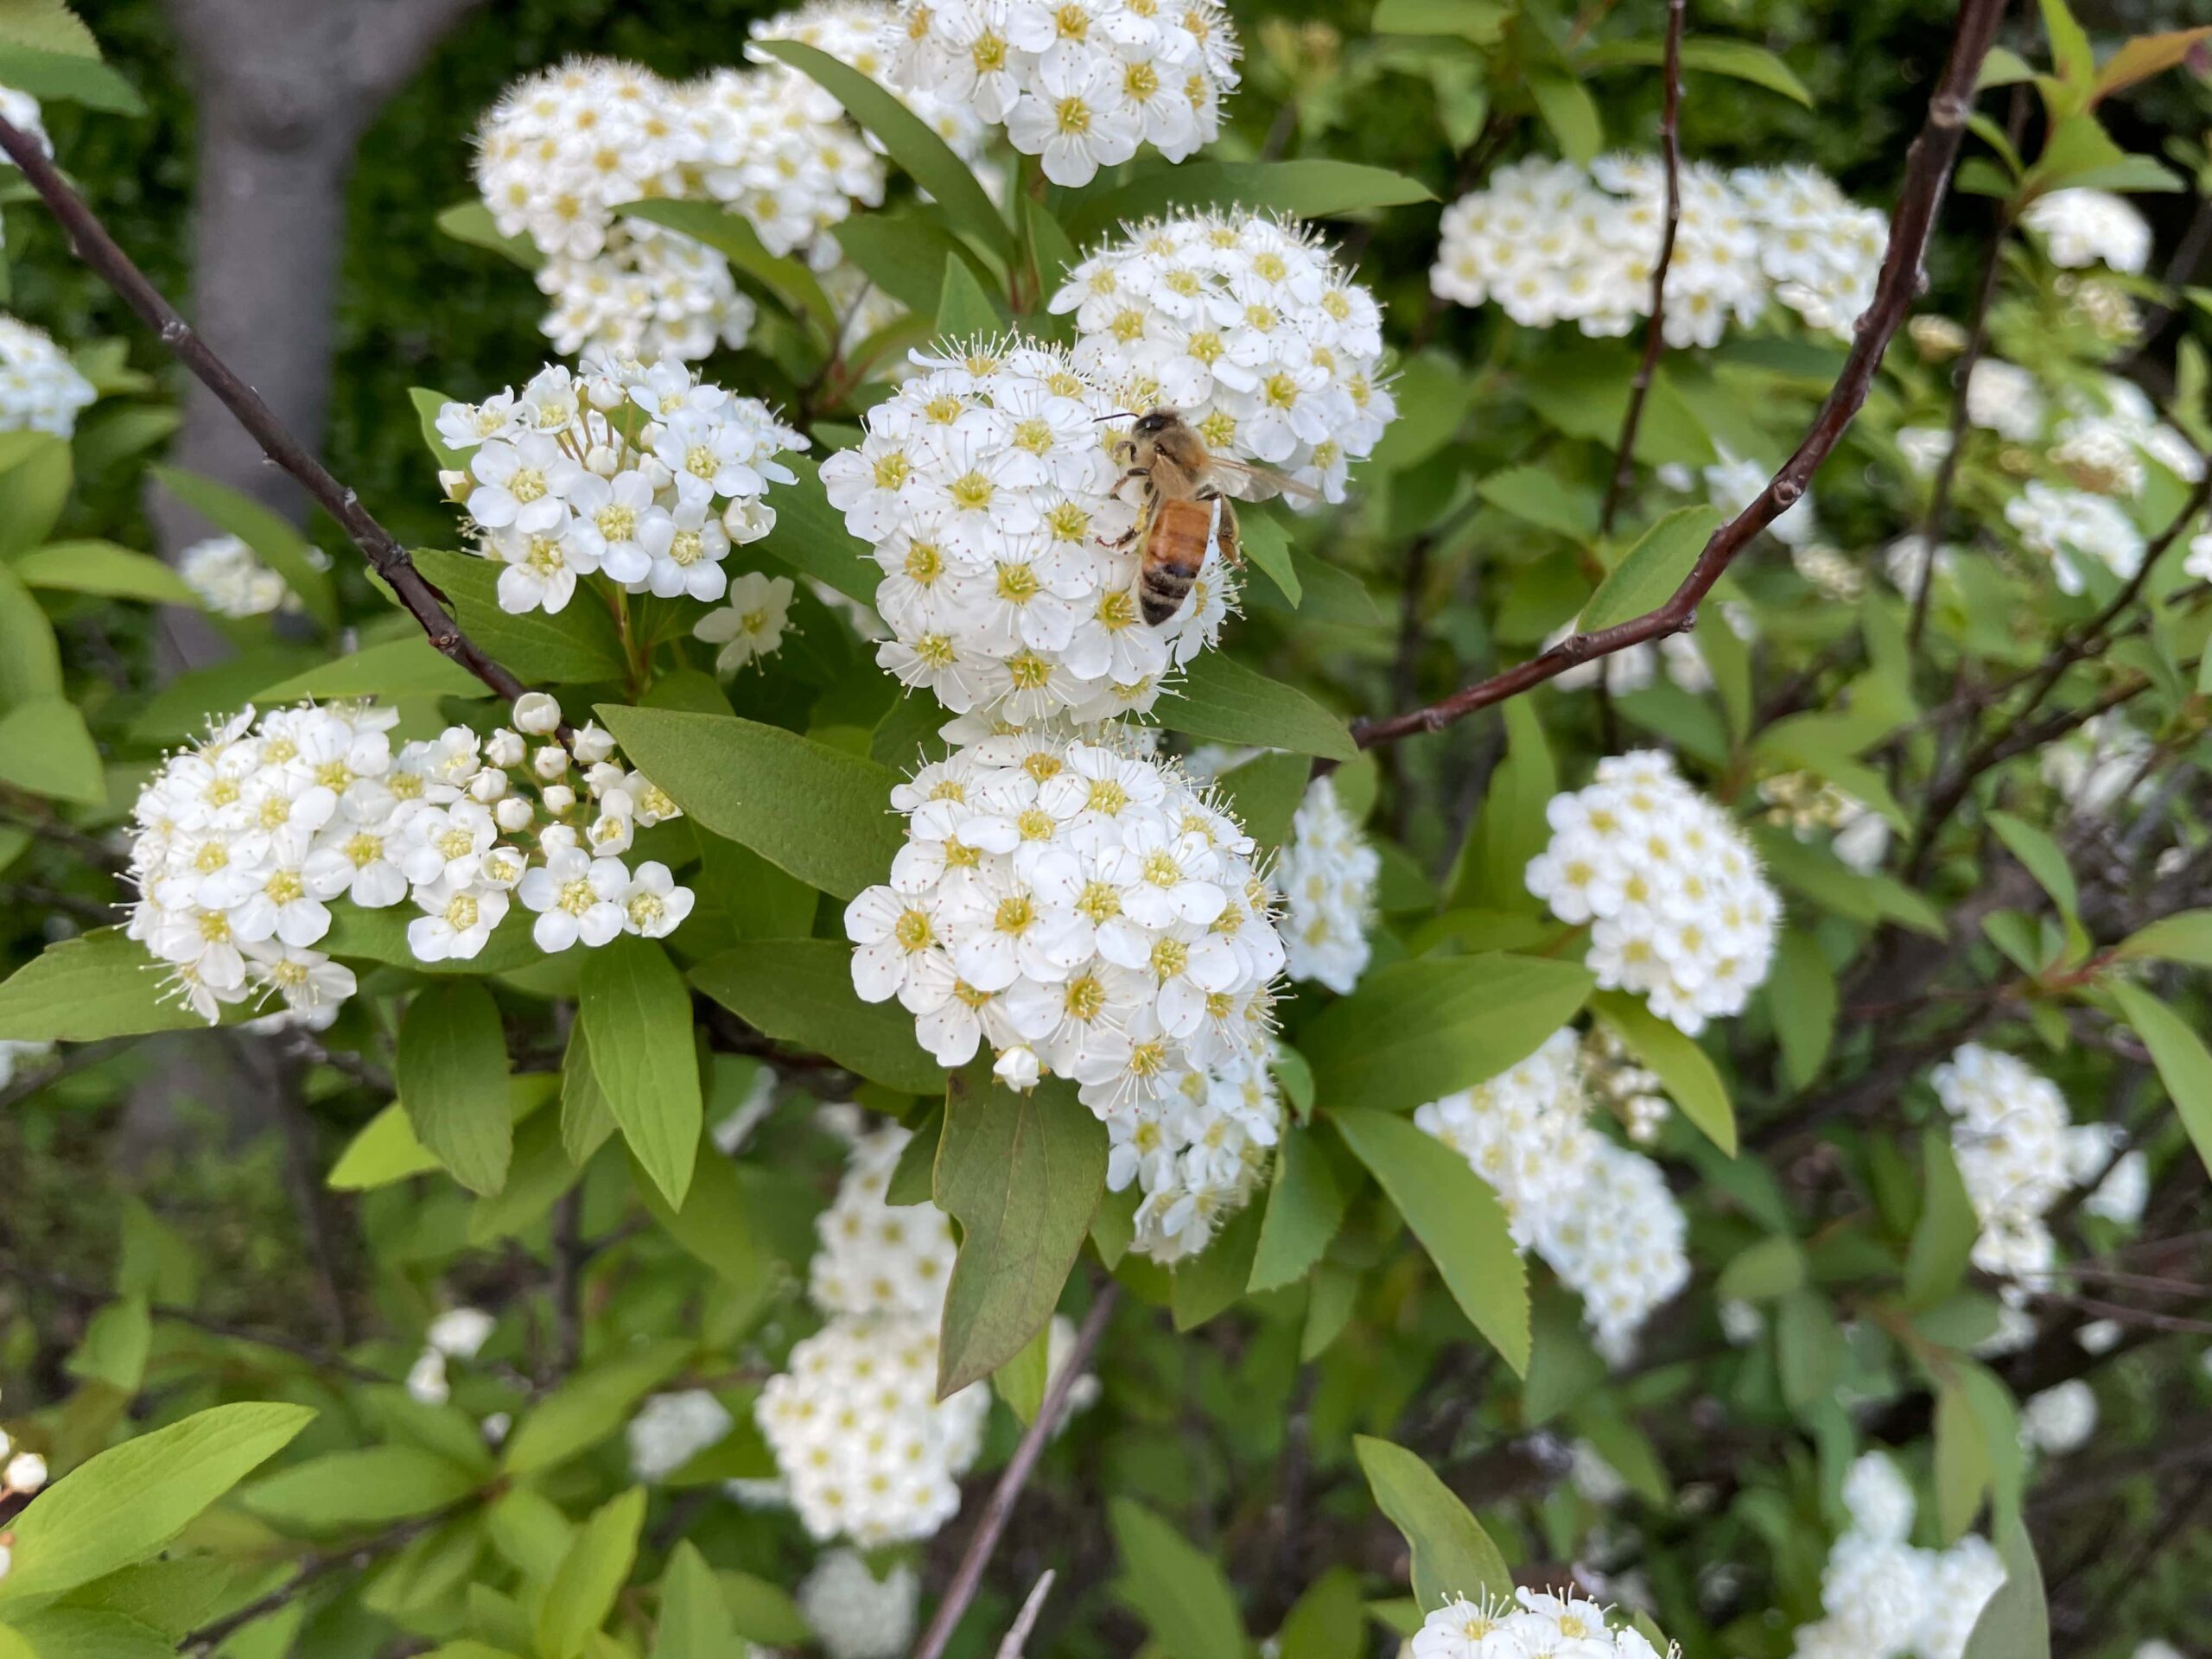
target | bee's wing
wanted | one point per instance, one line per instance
(1260, 483)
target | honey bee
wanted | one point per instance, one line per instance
(1185, 513)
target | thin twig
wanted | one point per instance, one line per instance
(1655, 332)
(92, 244)
(968, 1577)
(358, 1556)
(1927, 171)
(1017, 1635)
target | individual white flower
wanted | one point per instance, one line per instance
(230, 581)
(985, 487)
(750, 625)
(576, 897)
(2090, 227)
(868, 1450)
(561, 488)
(461, 1332)
(855, 1614)
(1678, 909)
(1080, 84)
(671, 1429)
(426, 1378)
(877, 1257)
(2067, 524)
(1549, 242)
(40, 390)
(1244, 324)
(2125, 1190)
(2005, 398)
(23, 1474)
(2010, 1138)
(2061, 1419)
(1525, 1132)
(1620, 1244)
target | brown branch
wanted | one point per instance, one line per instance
(358, 1556)
(1655, 332)
(92, 244)
(1927, 171)
(968, 1577)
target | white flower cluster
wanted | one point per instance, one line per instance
(1600, 1215)
(2090, 227)
(1550, 242)
(2061, 1419)
(244, 840)
(1884, 1599)
(231, 580)
(868, 1450)
(866, 34)
(2065, 524)
(855, 1614)
(1678, 908)
(671, 1429)
(457, 1333)
(1197, 1151)
(986, 486)
(1526, 1132)
(878, 1257)
(2010, 1139)
(1621, 1244)
(1080, 84)
(644, 474)
(1246, 325)
(1327, 876)
(1806, 805)
(1534, 1621)
(39, 389)
(1074, 900)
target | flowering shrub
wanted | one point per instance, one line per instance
(1590, 1049)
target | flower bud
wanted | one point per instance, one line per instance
(1018, 1068)
(488, 785)
(457, 484)
(593, 744)
(558, 798)
(549, 762)
(514, 814)
(503, 748)
(25, 1472)
(604, 458)
(536, 713)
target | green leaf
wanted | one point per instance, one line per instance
(903, 252)
(1178, 1590)
(1327, 1621)
(35, 474)
(115, 1345)
(1800, 996)
(1563, 1367)
(381, 936)
(2179, 1054)
(372, 1487)
(1304, 1210)
(393, 668)
(1263, 794)
(48, 26)
(811, 536)
(579, 646)
(1627, 1448)
(1268, 546)
(2043, 858)
(81, 991)
(274, 542)
(695, 1621)
(1478, 20)
(2138, 60)
(1513, 828)
(590, 1406)
(2015, 1622)
(173, 1596)
(45, 748)
(95, 567)
(80, 1633)
(128, 1501)
(1538, 495)
(471, 222)
(452, 1079)
(1457, 1219)
(30, 658)
(1962, 1469)
(2184, 936)
(1738, 60)
(2070, 52)
(800, 991)
(1452, 1554)
(1688, 1075)
(964, 311)
(731, 234)
(592, 1574)
(1764, 1272)
(1569, 110)
(1022, 1174)
(822, 814)
(1942, 1239)
(1210, 1282)
(1022, 1380)
(636, 1014)
(712, 1226)
(1414, 1031)
(1304, 189)
(1818, 876)
(907, 139)
(1808, 1348)
(48, 75)
(1220, 699)
(1652, 569)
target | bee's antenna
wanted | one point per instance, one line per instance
(1118, 415)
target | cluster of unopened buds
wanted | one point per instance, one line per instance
(245, 841)
(644, 474)
(21, 1475)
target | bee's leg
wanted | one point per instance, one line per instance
(1125, 537)
(1224, 528)
(1134, 472)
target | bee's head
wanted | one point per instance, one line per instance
(1152, 424)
